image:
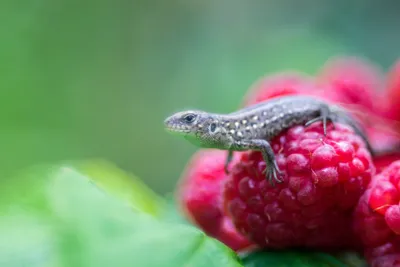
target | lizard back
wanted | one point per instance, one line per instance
(267, 119)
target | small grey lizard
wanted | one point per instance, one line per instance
(253, 127)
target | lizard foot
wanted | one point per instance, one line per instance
(324, 119)
(272, 172)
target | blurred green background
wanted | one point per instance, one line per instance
(96, 78)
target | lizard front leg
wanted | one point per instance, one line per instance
(272, 170)
(228, 160)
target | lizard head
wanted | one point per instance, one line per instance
(200, 128)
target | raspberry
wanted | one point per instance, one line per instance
(345, 81)
(230, 236)
(392, 98)
(382, 138)
(382, 161)
(356, 85)
(281, 84)
(377, 218)
(350, 82)
(392, 260)
(353, 81)
(200, 196)
(323, 180)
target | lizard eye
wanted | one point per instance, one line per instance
(213, 127)
(189, 118)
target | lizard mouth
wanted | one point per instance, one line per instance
(172, 126)
(176, 130)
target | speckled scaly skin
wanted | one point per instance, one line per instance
(253, 127)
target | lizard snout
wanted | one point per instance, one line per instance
(172, 124)
(169, 122)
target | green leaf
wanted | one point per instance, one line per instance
(60, 216)
(291, 259)
(27, 241)
(180, 245)
(351, 259)
(172, 212)
(126, 187)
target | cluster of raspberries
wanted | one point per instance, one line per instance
(335, 194)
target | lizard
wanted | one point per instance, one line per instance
(253, 127)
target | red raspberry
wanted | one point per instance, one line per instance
(323, 180)
(200, 197)
(393, 93)
(356, 85)
(354, 82)
(391, 260)
(350, 82)
(383, 138)
(377, 217)
(382, 161)
(231, 237)
(280, 84)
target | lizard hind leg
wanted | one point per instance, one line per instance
(325, 116)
